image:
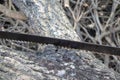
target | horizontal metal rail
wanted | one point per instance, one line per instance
(60, 42)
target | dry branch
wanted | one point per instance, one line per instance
(12, 14)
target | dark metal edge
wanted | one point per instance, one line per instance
(60, 42)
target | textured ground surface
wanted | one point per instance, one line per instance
(52, 64)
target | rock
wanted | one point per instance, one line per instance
(52, 64)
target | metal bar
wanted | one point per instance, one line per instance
(60, 42)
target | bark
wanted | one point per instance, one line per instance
(47, 18)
